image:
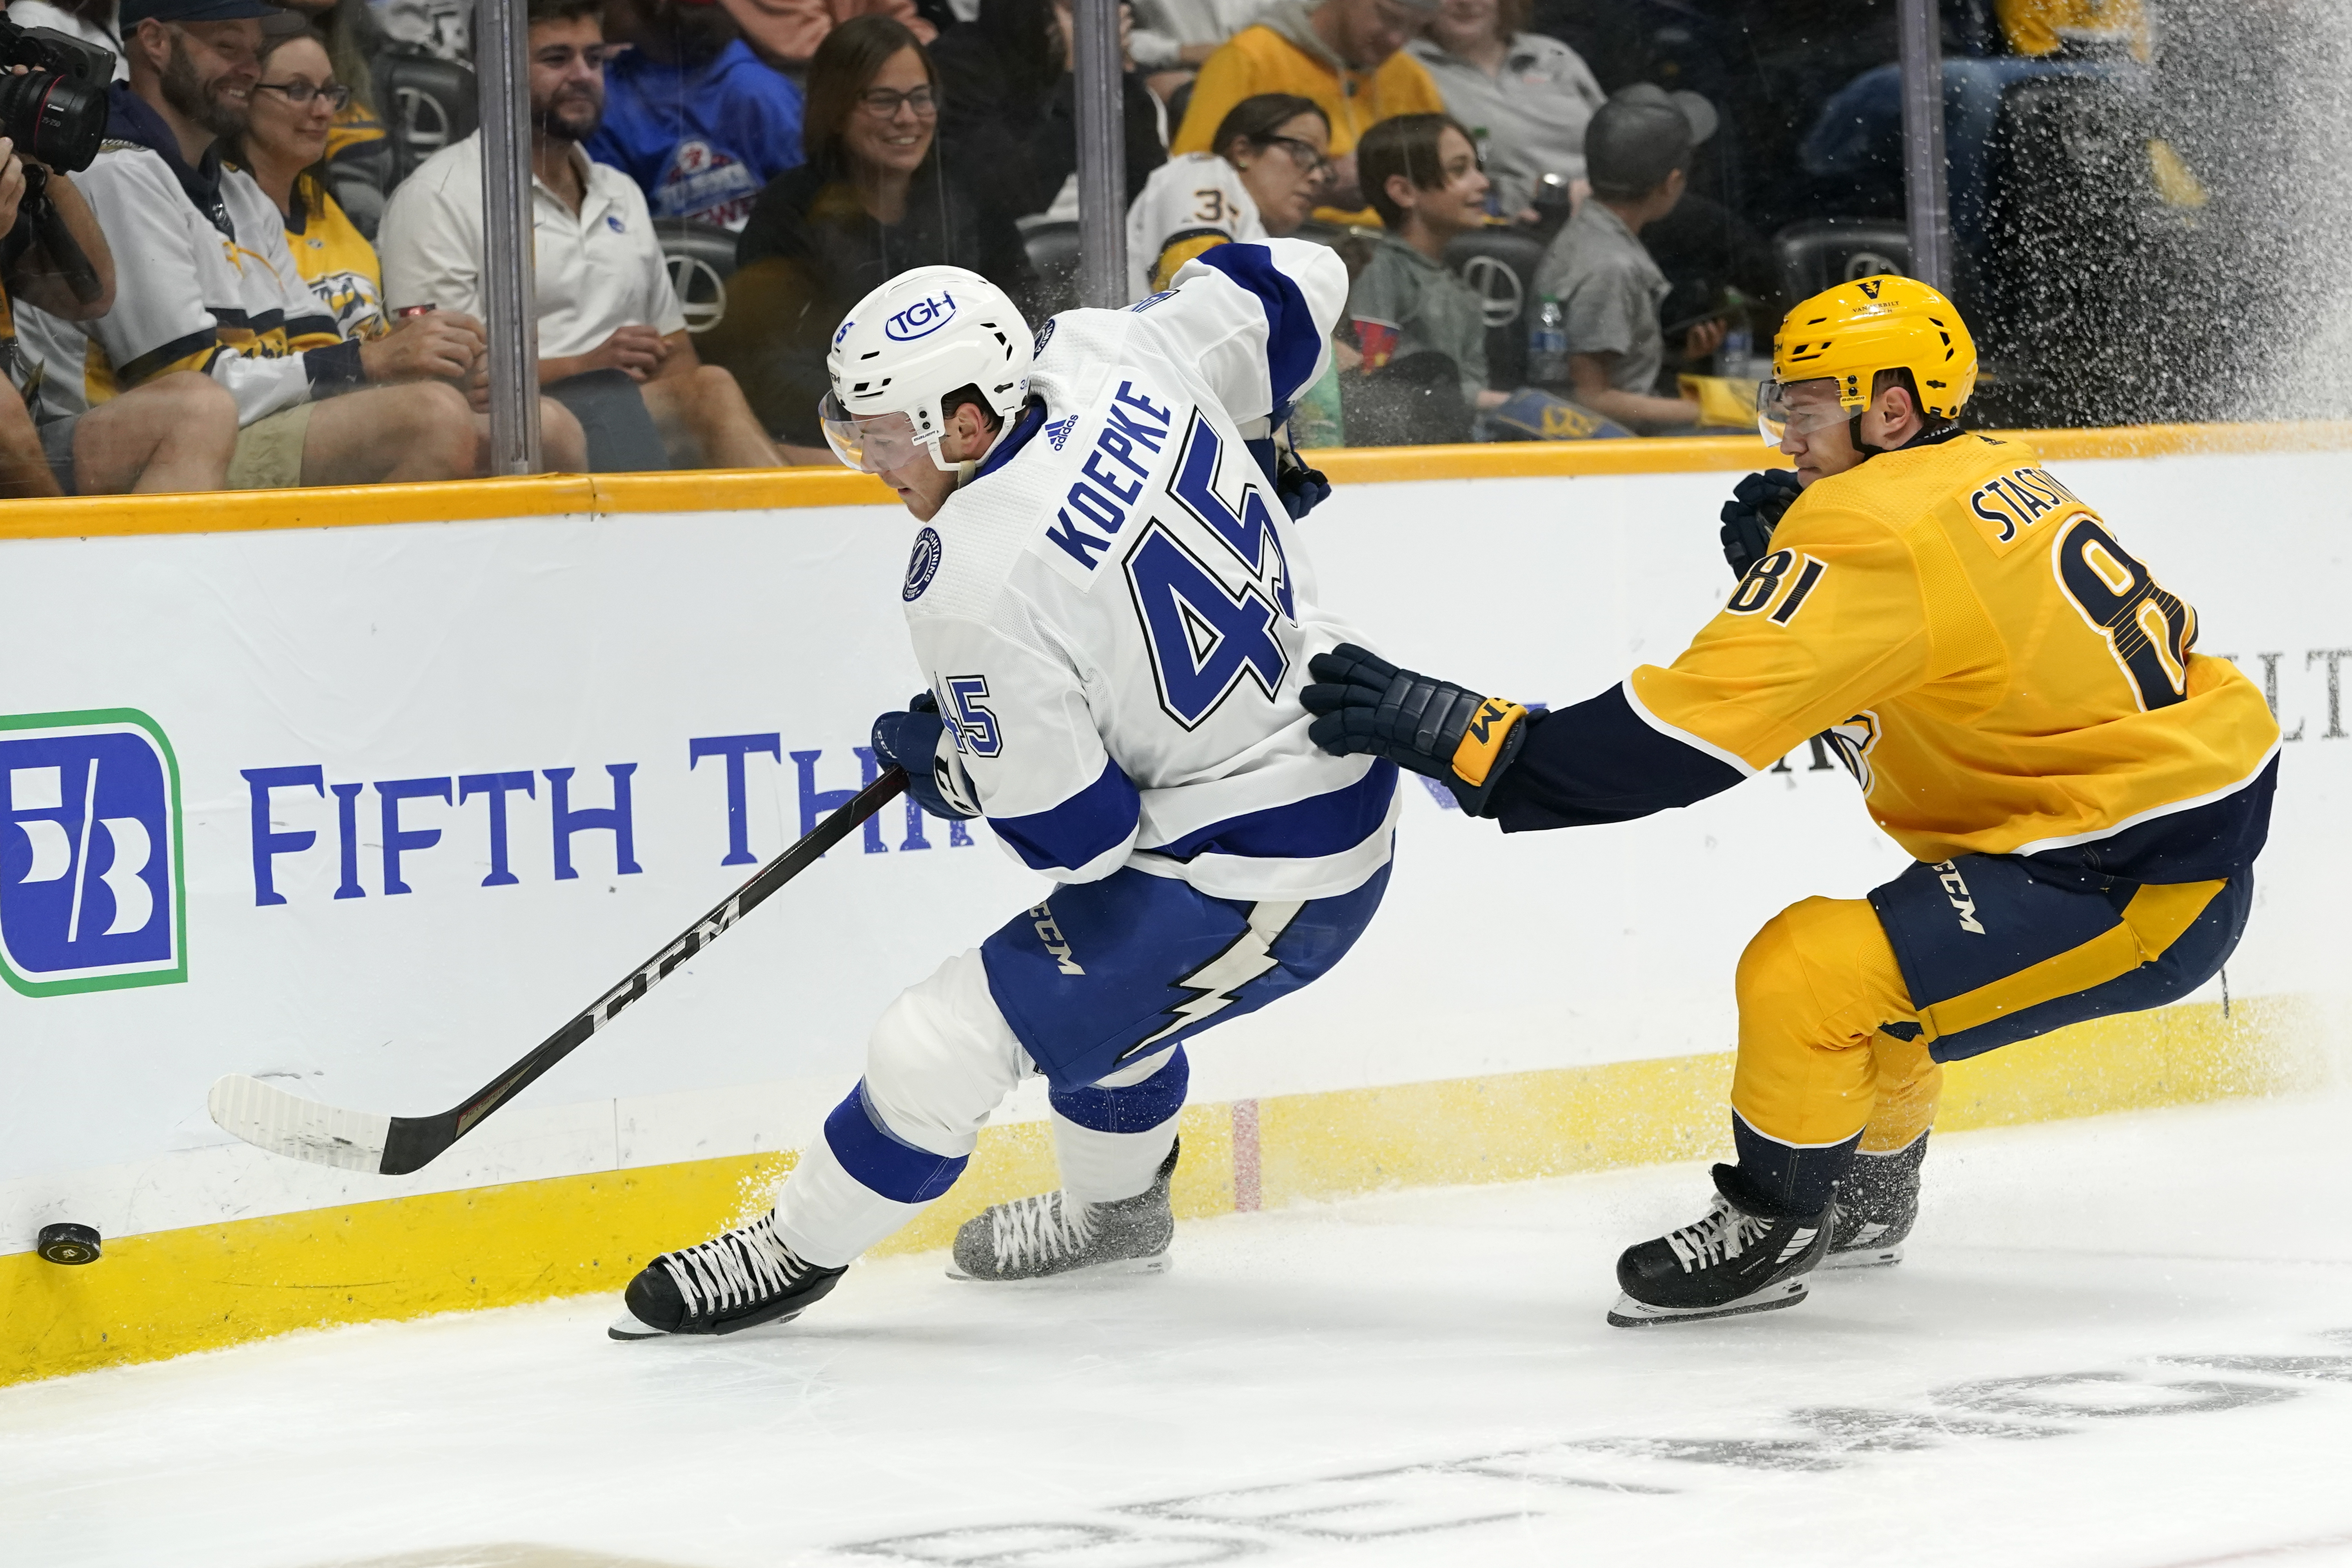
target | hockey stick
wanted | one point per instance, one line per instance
(268, 1117)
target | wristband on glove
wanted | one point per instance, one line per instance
(1756, 505)
(1452, 734)
(909, 741)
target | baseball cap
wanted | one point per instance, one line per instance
(1642, 134)
(135, 12)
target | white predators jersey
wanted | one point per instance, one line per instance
(1115, 613)
(188, 296)
(1192, 201)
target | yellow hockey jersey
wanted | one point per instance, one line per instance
(336, 260)
(1997, 668)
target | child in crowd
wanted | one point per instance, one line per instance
(1637, 150)
(1421, 174)
(1423, 330)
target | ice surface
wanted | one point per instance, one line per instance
(2121, 1342)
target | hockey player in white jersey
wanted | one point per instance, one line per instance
(1114, 613)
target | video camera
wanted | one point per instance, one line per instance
(57, 110)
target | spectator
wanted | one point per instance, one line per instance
(692, 114)
(1270, 164)
(869, 204)
(1530, 95)
(787, 33)
(1008, 108)
(1637, 151)
(1346, 54)
(1173, 39)
(1269, 168)
(91, 21)
(358, 167)
(207, 283)
(1421, 174)
(606, 308)
(288, 132)
(176, 432)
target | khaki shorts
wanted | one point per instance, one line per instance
(269, 451)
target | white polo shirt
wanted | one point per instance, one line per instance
(599, 268)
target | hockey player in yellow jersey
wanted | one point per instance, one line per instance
(2019, 698)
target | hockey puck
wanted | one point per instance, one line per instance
(67, 1243)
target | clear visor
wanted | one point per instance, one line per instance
(1798, 407)
(876, 444)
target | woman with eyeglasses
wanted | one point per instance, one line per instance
(291, 114)
(871, 201)
(1271, 166)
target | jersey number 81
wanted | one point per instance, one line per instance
(2148, 629)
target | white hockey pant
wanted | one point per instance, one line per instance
(940, 1062)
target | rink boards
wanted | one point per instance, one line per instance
(293, 782)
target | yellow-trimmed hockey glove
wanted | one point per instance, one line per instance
(1366, 705)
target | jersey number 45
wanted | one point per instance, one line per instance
(1205, 638)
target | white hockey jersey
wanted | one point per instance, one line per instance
(1116, 613)
(1191, 202)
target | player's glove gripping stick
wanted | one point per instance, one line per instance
(910, 741)
(1754, 510)
(1367, 705)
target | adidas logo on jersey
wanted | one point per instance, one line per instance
(1059, 431)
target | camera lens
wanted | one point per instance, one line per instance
(53, 118)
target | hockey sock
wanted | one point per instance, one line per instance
(1111, 1137)
(857, 1184)
(1783, 1179)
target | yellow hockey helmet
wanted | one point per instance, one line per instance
(1852, 331)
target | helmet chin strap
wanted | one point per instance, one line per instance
(1854, 433)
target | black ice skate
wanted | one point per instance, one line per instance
(1876, 1205)
(1030, 1238)
(1733, 1262)
(737, 1280)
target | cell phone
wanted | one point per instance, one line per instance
(407, 310)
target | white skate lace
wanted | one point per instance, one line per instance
(1042, 1227)
(1722, 1236)
(736, 1268)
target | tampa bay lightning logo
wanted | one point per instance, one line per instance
(1045, 335)
(922, 565)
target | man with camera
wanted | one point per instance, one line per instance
(174, 434)
(206, 284)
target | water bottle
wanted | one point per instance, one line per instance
(1738, 347)
(1547, 344)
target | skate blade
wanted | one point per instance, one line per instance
(630, 1328)
(1863, 1258)
(1117, 1267)
(1628, 1313)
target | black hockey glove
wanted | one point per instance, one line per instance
(1368, 705)
(1752, 513)
(1300, 488)
(910, 741)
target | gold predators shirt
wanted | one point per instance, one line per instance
(1998, 669)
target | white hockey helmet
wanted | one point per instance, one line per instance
(922, 335)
